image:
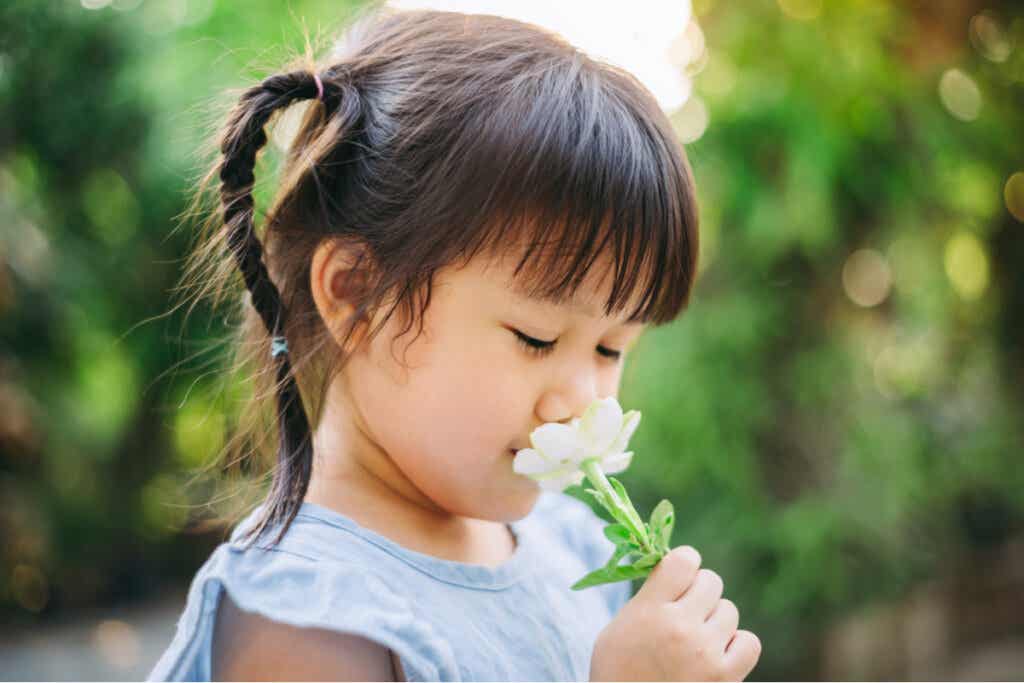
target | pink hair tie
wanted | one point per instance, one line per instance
(319, 87)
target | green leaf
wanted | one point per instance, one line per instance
(620, 552)
(621, 490)
(617, 534)
(594, 578)
(666, 533)
(605, 575)
(647, 561)
(601, 509)
(633, 519)
(662, 521)
(621, 516)
(603, 500)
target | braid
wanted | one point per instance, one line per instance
(243, 138)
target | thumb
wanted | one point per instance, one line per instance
(672, 576)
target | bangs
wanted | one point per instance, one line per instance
(567, 165)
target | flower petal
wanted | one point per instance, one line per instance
(557, 442)
(529, 461)
(601, 423)
(630, 421)
(616, 463)
(562, 482)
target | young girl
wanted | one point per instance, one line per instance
(530, 210)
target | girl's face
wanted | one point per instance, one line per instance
(442, 433)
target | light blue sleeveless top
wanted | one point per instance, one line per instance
(447, 621)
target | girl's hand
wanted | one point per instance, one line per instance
(676, 628)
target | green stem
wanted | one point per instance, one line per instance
(595, 475)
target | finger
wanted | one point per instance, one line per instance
(724, 620)
(741, 654)
(671, 576)
(703, 594)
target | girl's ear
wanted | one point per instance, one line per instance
(338, 280)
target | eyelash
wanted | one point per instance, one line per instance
(542, 348)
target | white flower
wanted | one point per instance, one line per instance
(560, 449)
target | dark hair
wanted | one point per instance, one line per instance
(439, 136)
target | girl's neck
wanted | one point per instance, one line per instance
(458, 539)
(371, 490)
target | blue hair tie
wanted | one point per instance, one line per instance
(278, 345)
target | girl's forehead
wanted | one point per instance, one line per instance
(589, 298)
(502, 269)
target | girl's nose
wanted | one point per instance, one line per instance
(568, 399)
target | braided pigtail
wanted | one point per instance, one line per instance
(243, 138)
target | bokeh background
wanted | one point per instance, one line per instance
(837, 417)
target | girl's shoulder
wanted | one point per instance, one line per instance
(302, 582)
(329, 573)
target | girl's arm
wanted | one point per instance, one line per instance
(249, 647)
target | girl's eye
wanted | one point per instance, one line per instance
(542, 348)
(534, 346)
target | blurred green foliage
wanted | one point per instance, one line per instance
(823, 453)
(106, 402)
(836, 416)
